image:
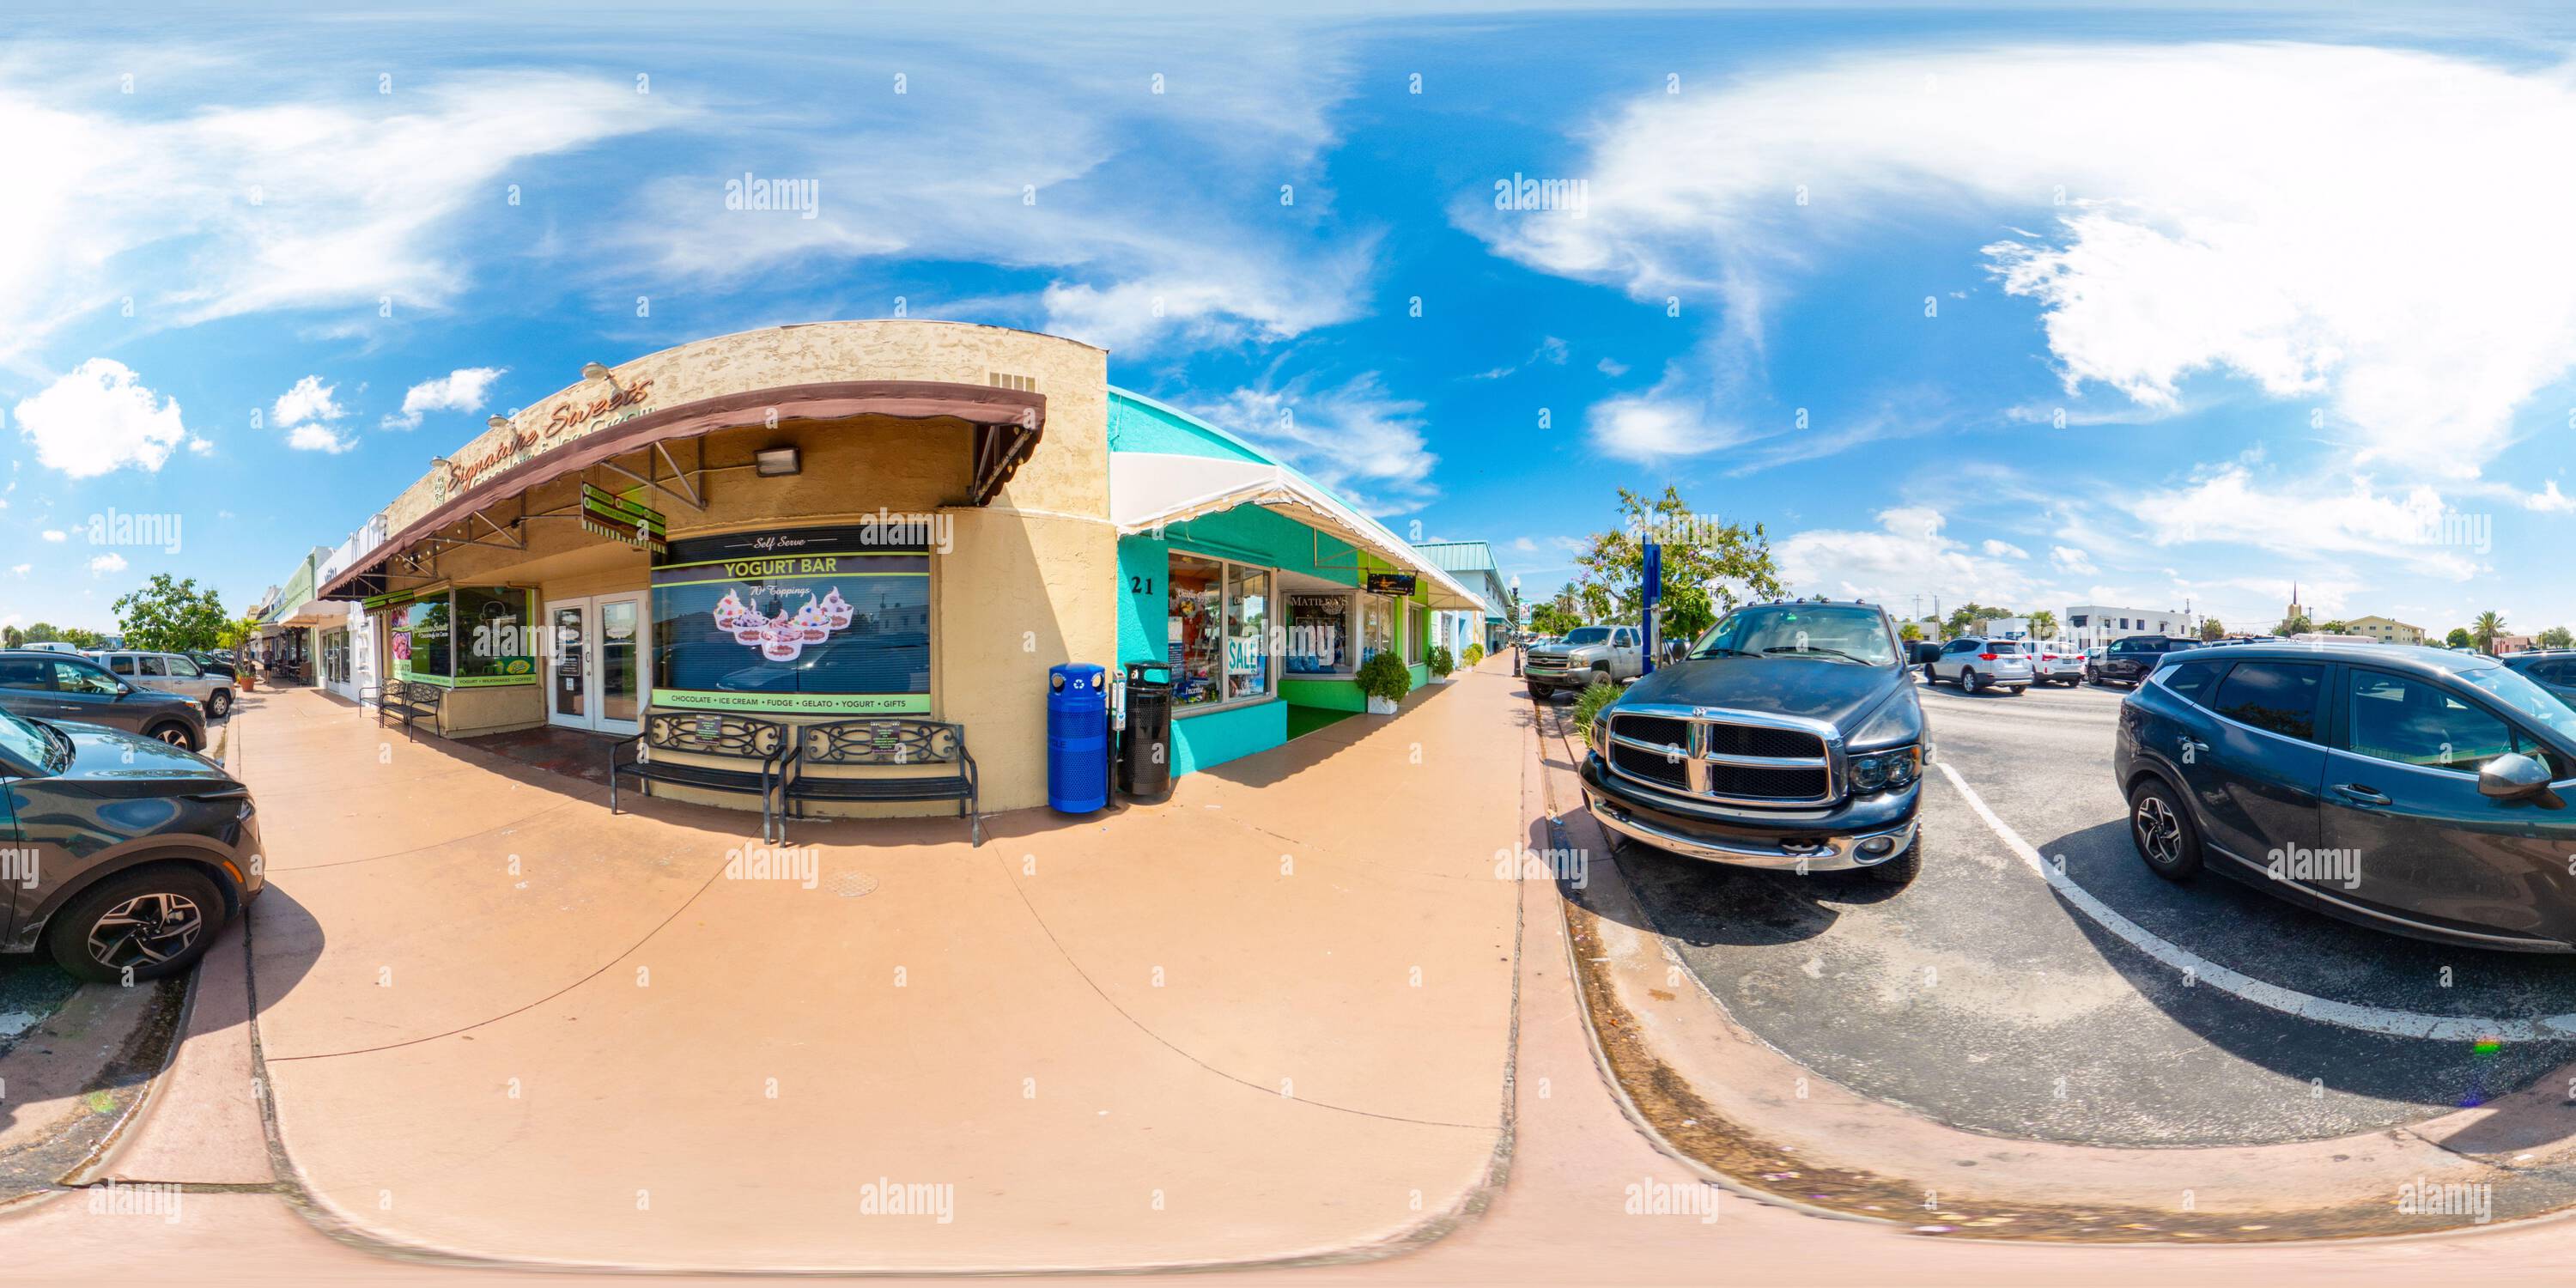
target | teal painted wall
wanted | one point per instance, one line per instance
(1215, 737)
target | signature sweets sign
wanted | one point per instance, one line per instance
(570, 419)
(830, 620)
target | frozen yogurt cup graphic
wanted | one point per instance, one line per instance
(781, 640)
(749, 629)
(815, 626)
(728, 611)
(836, 610)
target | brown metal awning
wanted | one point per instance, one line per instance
(1007, 425)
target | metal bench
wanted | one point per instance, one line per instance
(706, 733)
(886, 741)
(410, 699)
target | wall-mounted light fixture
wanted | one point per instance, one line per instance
(773, 462)
(593, 371)
(498, 421)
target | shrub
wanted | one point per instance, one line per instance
(1439, 660)
(1385, 676)
(1475, 654)
(1588, 705)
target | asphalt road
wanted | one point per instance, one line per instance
(1986, 999)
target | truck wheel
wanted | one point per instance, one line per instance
(1601, 675)
(220, 704)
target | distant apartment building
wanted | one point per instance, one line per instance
(2386, 630)
(2000, 628)
(2096, 625)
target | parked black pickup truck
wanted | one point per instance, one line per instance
(1790, 737)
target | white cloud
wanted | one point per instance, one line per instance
(2215, 202)
(1523, 545)
(98, 419)
(1611, 367)
(310, 399)
(21, 570)
(460, 390)
(2550, 500)
(101, 565)
(2303, 520)
(55, 535)
(1357, 439)
(1904, 556)
(2000, 549)
(302, 203)
(1654, 427)
(2070, 559)
(318, 438)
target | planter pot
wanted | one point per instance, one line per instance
(1381, 707)
(1443, 679)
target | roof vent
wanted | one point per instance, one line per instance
(1005, 380)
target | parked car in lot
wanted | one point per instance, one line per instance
(2414, 790)
(62, 686)
(173, 673)
(2131, 659)
(2551, 669)
(1976, 664)
(1588, 655)
(2056, 662)
(134, 851)
(215, 664)
(1790, 738)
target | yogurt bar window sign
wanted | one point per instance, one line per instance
(758, 618)
(829, 620)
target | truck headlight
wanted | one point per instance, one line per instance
(1884, 769)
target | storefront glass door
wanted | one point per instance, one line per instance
(595, 671)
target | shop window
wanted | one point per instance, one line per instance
(420, 639)
(1417, 628)
(1218, 627)
(1377, 625)
(1319, 629)
(494, 636)
(1192, 631)
(819, 620)
(1247, 632)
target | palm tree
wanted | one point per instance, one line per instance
(1910, 632)
(2043, 625)
(2484, 631)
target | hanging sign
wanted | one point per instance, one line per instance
(619, 519)
(1390, 583)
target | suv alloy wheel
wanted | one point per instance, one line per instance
(2162, 830)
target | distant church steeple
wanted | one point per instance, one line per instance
(2297, 610)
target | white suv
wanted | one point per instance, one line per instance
(2057, 662)
(173, 673)
(1975, 664)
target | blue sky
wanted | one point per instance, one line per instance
(2023, 306)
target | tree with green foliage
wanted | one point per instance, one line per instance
(2295, 624)
(2556, 637)
(1910, 632)
(2459, 638)
(2212, 629)
(2337, 627)
(1971, 613)
(2043, 625)
(238, 633)
(169, 616)
(2484, 631)
(1552, 618)
(12, 637)
(1705, 562)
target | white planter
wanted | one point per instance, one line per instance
(1444, 679)
(1381, 707)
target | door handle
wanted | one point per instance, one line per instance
(2360, 795)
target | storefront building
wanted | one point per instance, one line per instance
(1472, 563)
(847, 520)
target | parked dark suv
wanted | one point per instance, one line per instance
(2415, 790)
(2132, 659)
(2551, 669)
(122, 855)
(44, 685)
(1790, 737)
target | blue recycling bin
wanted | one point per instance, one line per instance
(1077, 738)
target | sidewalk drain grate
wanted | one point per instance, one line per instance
(853, 885)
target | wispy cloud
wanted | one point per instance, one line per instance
(1354, 438)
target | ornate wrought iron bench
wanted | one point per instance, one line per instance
(410, 699)
(938, 749)
(765, 743)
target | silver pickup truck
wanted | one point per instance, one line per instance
(1587, 655)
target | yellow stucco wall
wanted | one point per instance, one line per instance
(1029, 582)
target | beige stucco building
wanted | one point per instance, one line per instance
(851, 520)
(2387, 630)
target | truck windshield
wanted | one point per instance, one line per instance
(1833, 632)
(1588, 635)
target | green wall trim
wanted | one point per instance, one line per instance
(1332, 695)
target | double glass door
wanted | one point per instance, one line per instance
(596, 647)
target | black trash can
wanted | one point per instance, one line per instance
(1145, 747)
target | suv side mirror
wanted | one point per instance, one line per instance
(2513, 777)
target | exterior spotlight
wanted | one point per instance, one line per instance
(498, 421)
(774, 462)
(593, 371)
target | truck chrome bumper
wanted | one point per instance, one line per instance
(1826, 854)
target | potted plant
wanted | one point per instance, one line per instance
(1385, 680)
(1441, 663)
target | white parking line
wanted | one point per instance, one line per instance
(2202, 971)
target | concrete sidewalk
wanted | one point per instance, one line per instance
(1266, 1019)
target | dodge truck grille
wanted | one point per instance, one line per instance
(1721, 758)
